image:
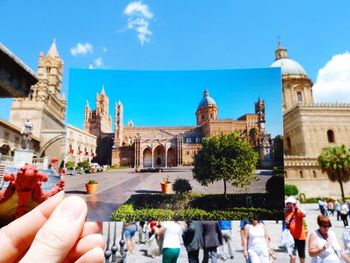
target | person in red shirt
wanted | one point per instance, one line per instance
(294, 221)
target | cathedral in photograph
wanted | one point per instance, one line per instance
(169, 146)
(309, 127)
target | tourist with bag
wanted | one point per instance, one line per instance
(323, 244)
(294, 216)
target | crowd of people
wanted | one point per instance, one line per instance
(214, 238)
(322, 244)
(341, 208)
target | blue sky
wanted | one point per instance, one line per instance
(182, 34)
(169, 98)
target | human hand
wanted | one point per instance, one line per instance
(245, 253)
(326, 245)
(55, 231)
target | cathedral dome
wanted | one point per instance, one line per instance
(288, 66)
(206, 100)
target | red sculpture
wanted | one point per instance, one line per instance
(27, 185)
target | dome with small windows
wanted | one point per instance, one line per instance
(206, 100)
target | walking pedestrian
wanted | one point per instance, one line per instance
(212, 238)
(256, 242)
(323, 244)
(344, 210)
(337, 209)
(294, 216)
(172, 234)
(193, 240)
(227, 236)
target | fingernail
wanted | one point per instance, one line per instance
(72, 208)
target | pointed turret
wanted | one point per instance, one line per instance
(53, 50)
(103, 90)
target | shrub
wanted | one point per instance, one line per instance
(290, 189)
(70, 165)
(181, 186)
(85, 165)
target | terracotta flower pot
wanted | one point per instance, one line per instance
(91, 188)
(166, 187)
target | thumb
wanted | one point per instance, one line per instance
(59, 234)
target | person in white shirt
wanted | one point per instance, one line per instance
(172, 232)
(256, 242)
(323, 244)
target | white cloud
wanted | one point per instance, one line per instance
(99, 62)
(333, 80)
(81, 49)
(104, 49)
(139, 15)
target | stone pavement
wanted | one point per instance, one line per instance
(116, 186)
(273, 228)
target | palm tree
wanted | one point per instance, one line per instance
(335, 161)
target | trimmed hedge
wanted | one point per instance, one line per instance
(199, 207)
(127, 213)
(205, 202)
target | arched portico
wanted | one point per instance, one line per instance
(147, 157)
(159, 156)
(171, 157)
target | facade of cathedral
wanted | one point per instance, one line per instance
(45, 107)
(308, 127)
(168, 146)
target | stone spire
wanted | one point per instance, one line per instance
(103, 90)
(280, 52)
(53, 50)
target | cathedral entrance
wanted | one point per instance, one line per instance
(147, 157)
(171, 157)
(159, 156)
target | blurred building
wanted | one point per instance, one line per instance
(80, 145)
(308, 127)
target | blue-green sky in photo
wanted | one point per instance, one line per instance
(171, 98)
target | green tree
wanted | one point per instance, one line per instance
(226, 157)
(290, 189)
(335, 161)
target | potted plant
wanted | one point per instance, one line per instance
(91, 187)
(166, 185)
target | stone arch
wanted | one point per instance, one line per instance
(159, 156)
(56, 140)
(171, 157)
(147, 157)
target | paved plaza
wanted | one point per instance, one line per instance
(116, 186)
(273, 228)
